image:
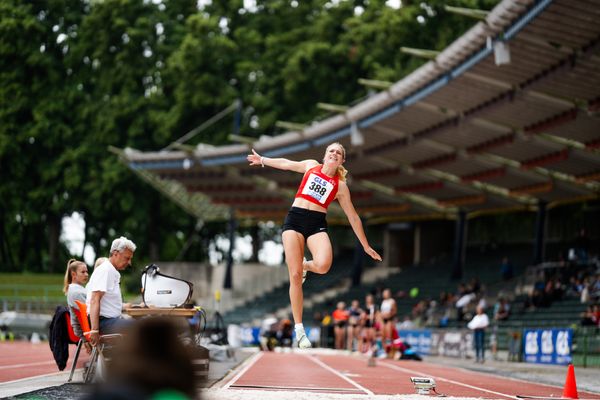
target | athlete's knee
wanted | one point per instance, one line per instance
(296, 278)
(321, 266)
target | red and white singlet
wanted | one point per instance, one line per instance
(317, 187)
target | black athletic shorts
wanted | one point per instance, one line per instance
(305, 221)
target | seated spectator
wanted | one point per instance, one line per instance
(402, 350)
(588, 317)
(585, 291)
(538, 300)
(501, 310)
(506, 269)
(76, 276)
(285, 333)
(406, 324)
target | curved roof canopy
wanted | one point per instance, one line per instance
(460, 132)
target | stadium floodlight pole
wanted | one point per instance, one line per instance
(422, 53)
(336, 108)
(375, 84)
(292, 126)
(468, 12)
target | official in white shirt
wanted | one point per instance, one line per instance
(104, 299)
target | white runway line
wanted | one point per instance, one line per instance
(250, 363)
(438, 378)
(344, 377)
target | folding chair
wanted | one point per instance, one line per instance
(73, 339)
(97, 358)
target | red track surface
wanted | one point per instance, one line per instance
(20, 360)
(348, 374)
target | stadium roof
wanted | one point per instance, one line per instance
(460, 132)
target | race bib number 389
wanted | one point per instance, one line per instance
(317, 188)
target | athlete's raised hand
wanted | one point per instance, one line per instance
(254, 158)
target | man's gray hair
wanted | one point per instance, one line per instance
(121, 244)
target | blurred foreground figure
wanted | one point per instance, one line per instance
(150, 363)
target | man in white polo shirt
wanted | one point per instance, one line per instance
(104, 299)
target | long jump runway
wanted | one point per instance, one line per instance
(317, 374)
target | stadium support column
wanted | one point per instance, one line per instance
(459, 244)
(540, 233)
(228, 284)
(254, 233)
(357, 265)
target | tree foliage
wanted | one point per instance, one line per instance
(79, 76)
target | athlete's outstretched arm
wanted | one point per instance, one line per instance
(343, 197)
(281, 163)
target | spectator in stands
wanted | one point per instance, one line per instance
(389, 310)
(431, 313)
(478, 325)
(76, 276)
(585, 291)
(506, 269)
(340, 320)
(501, 309)
(462, 303)
(306, 224)
(104, 299)
(474, 286)
(595, 289)
(406, 324)
(589, 317)
(581, 247)
(354, 313)
(268, 333)
(368, 320)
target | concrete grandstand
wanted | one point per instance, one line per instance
(505, 119)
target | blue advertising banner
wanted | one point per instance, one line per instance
(548, 346)
(250, 336)
(419, 340)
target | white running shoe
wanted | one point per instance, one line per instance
(304, 271)
(303, 342)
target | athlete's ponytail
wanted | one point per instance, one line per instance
(342, 172)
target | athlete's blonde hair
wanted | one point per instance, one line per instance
(72, 266)
(341, 171)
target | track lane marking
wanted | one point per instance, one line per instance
(409, 371)
(336, 372)
(27, 365)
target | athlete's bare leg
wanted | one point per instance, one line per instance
(319, 246)
(293, 246)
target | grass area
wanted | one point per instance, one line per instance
(31, 286)
(28, 278)
(28, 286)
